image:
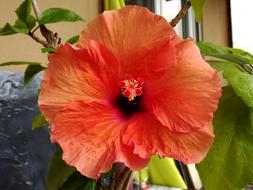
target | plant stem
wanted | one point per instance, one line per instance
(36, 8)
(52, 39)
(31, 33)
(127, 181)
(37, 39)
(123, 181)
(34, 30)
(112, 185)
(181, 14)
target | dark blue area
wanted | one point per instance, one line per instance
(24, 154)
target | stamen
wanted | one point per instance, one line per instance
(127, 93)
(138, 92)
(131, 87)
(140, 80)
(128, 77)
(122, 84)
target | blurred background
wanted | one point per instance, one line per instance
(223, 22)
(21, 47)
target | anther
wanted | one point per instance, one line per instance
(131, 87)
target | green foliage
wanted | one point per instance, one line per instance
(164, 172)
(106, 5)
(31, 22)
(64, 177)
(48, 50)
(241, 82)
(54, 15)
(113, 4)
(24, 23)
(73, 39)
(197, 6)
(25, 19)
(20, 27)
(78, 182)
(24, 10)
(230, 54)
(7, 30)
(58, 172)
(239, 52)
(39, 121)
(234, 69)
(229, 163)
(18, 63)
(30, 73)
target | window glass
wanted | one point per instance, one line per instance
(169, 9)
(242, 28)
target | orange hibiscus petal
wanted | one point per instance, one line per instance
(130, 33)
(154, 65)
(150, 137)
(87, 144)
(187, 95)
(131, 159)
(89, 135)
(77, 74)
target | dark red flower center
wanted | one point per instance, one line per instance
(129, 101)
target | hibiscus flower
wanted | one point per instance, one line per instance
(131, 88)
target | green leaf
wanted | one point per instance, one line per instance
(18, 63)
(54, 15)
(231, 54)
(122, 3)
(241, 82)
(31, 22)
(7, 30)
(229, 163)
(73, 39)
(115, 4)
(23, 24)
(78, 182)
(106, 5)
(241, 54)
(39, 121)
(20, 26)
(163, 171)
(58, 172)
(197, 6)
(48, 50)
(24, 10)
(30, 73)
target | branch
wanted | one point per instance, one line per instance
(52, 39)
(124, 180)
(37, 39)
(36, 9)
(181, 14)
(128, 181)
(113, 180)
